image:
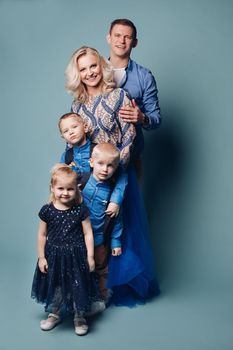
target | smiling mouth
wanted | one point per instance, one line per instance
(92, 77)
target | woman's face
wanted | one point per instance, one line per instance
(90, 72)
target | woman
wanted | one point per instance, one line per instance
(90, 81)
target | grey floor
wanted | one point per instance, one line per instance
(183, 317)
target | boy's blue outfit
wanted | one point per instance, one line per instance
(96, 197)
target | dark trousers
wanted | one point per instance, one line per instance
(101, 268)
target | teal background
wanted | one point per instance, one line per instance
(187, 181)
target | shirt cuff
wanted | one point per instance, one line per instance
(115, 243)
(146, 123)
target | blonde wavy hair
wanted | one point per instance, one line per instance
(59, 170)
(74, 84)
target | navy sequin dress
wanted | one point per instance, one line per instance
(68, 286)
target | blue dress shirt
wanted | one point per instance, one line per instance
(140, 85)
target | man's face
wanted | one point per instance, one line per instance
(121, 40)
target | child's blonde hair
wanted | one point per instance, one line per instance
(59, 170)
(69, 115)
(107, 149)
(74, 84)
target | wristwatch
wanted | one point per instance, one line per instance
(146, 121)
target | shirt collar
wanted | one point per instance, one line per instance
(98, 183)
(83, 147)
(130, 65)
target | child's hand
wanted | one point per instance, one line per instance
(112, 209)
(116, 251)
(43, 265)
(91, 263)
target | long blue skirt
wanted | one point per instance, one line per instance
(132, 275)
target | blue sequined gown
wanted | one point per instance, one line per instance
(67, 286)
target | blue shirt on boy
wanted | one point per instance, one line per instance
(81, 158)
(96, 197)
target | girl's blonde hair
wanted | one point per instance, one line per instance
(74, 84)
(59, 170)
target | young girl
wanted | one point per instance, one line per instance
(63, 281)
(90, 81)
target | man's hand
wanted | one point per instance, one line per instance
(112, 209)
(131, 114)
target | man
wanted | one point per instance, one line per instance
(145, 114)
(135, 79)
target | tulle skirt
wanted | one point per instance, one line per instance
(68, 286)
(132, 275)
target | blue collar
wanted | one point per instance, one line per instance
(130, 65)
(95, 182)
(83, 147)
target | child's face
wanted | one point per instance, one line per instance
(104, 166)
(65, 190)
(90, 71)
(73, 131)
